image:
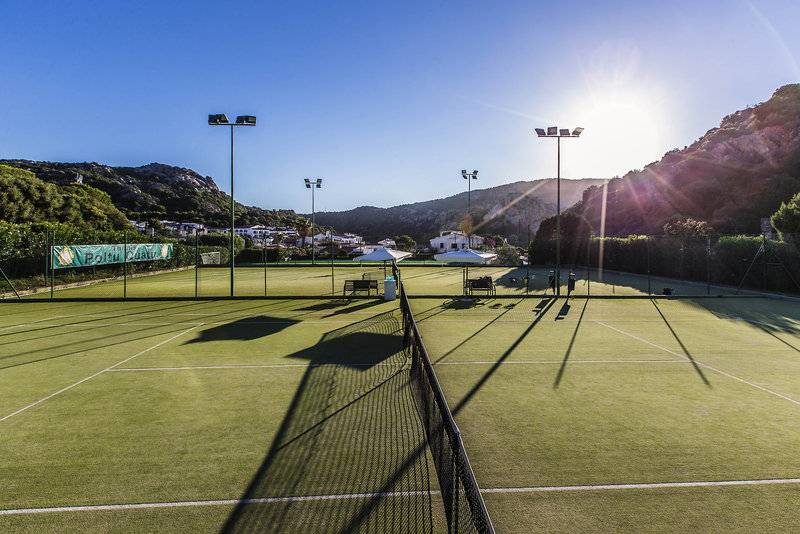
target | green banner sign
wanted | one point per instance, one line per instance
(66, 256)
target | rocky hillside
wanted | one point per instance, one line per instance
(157, 191)
(731, 177)
(506, 210)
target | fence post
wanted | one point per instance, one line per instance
(708, 265)
(196, 262)
(649, 287)
(589, 266)
(764, 246)
(125, 264)
(264, 248)
(50, 241)
(333, 281)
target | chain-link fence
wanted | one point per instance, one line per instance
(592, 266)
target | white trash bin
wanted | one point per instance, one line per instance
(389, 289)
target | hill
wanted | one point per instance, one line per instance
(157, 191)
(24, 198)
(505, 209)
(731, 177)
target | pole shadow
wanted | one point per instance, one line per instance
(563, 366)
(683, 347)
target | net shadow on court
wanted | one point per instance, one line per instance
(349, 454)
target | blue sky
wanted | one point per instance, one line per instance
(385, 101)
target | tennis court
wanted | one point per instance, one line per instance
(280, 416)
(625, 415)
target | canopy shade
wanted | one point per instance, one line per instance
(466, 255)
(383, 254)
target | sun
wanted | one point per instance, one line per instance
(625, 130)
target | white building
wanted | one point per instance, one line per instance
(344, 240)
(387, 243)
(454, 240)
(184, 229)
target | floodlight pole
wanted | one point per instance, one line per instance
(469, 176)
(241, 120)
(233, 215)
(558, 134)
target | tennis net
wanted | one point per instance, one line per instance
(464, 507)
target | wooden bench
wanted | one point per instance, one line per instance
(484, 283)
(355, 286)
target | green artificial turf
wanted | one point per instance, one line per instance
(586, 392)
(144, 402)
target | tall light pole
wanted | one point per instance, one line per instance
(558, 133)
(469, 176)
(220, 119)
(313, 184)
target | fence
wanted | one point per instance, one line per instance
(464, 507)
(615, 267)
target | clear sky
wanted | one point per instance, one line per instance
(386, 101)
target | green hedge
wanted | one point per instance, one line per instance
(720, 259)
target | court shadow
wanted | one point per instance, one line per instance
(324, 306)
(496, 365)
(350, 435)
(685, 350)
(568, 352)
(358, 307)
(244, 329)
(564, 311)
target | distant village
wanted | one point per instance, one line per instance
(290, 237)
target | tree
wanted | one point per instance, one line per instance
(787, 220)
(405, 243)
(508, 255)
(688, 227)
(303, 227)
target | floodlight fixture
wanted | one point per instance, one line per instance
(218, 119)
(552, 130)
(564, 132)
(246, 120)
(577, 131)
(540, 132)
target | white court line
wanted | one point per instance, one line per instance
(109, 368)
(219, 502)
(395, 494)
(705, 365)
(652, 485)
(283, 365)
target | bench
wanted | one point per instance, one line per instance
(484, 283)
(355, 286)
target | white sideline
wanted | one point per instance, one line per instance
(219, 502)
(395, 494)
(705, 365)
(650, 485)
(81, 381)
(284, 365)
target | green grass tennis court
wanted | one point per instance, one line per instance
(168, 413)
(296, 415)
(322, 281)
(670, 415)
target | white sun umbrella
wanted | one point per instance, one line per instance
(465, 257)
(384, 255)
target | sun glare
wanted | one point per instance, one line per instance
(624, 131)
